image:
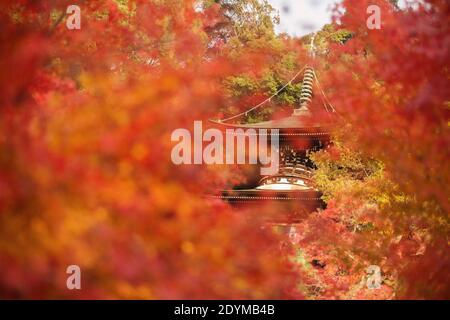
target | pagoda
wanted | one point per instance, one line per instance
(300, 133)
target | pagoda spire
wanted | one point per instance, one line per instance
(306, 92)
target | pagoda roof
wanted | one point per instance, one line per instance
(308, 195)
(291, 122)
(294, 124)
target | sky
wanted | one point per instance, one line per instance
(300, 17)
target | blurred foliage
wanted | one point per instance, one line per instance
(85, 176)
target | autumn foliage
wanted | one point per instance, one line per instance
(85, 172)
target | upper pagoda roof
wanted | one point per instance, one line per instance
(300, 123)
(291, 122)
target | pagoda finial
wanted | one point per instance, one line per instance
(312, 47)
